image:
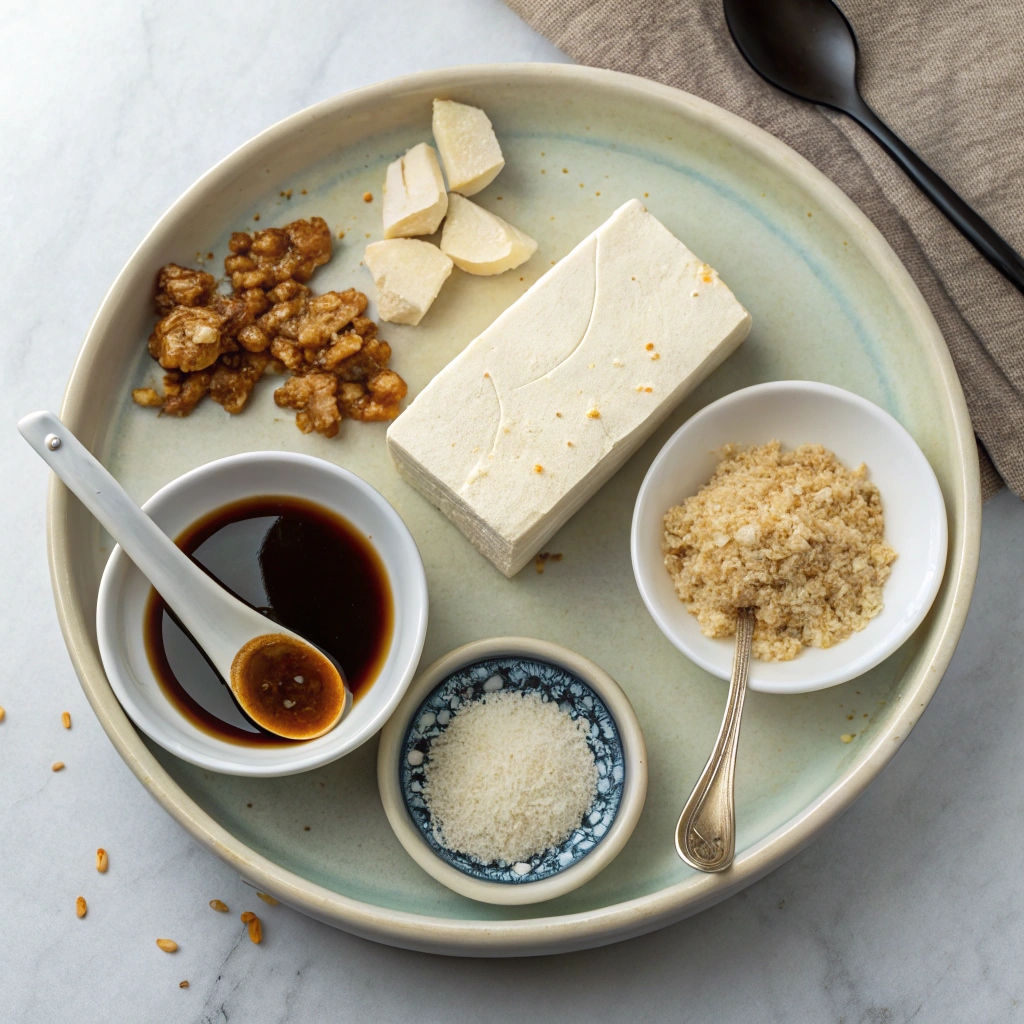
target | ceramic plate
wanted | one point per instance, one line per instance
(830, 302)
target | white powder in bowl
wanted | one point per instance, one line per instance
(510, 777)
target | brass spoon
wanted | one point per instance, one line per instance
(807, 48)
(706, 833)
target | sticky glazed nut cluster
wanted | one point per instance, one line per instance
(217, 344)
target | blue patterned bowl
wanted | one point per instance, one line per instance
(578, 686)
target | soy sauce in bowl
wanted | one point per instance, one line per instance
(305, 568)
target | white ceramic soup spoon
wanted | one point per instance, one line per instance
(280, 681)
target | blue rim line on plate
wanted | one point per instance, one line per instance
(473, 683)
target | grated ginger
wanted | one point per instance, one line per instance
(794, 535)
(510, 777)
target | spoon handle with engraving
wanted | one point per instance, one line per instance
(706, 833)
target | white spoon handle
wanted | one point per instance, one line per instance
(195, 598)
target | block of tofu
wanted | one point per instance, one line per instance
(480, 242)
(408, 273)
(415, 199)
(536, 413)
(469, 148)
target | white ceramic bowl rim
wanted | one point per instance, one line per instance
(812, 669)
(592, 927)
(165, 725)
(634, 790)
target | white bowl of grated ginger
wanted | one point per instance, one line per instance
(806, 502)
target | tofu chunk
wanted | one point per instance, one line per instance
(469, 148)
(535, 414)
(479, 242)
(408, 274)
(415, 200)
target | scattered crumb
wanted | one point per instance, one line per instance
(649, 346)
(847, 737)
(304, 192)
(543, 558)
(570, 444)
(248, 805)
(656, 356)
(341, 234)
(102, 861)
(287, 193)
(57, 766)
(167, 945)
(183, 984)
(305, 828)
(597, 193)
(209, 255)
(256, 216)
(565, 170)
(646, 194)
(593, 415)
(81, 908)
(794, 535)
(219, 905)
(367, 197)
(538, 468)
(65, 719)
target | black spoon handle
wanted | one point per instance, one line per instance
(971, 225)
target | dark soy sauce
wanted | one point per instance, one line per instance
(302, 566)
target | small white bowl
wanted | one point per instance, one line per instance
(124, 592)
(794, 413)
(622, 789)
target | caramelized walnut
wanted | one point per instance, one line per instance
(180, 286)
(338, 351)
(222, 344)
(189, 394)
(366, 363)
(314, 397)
(188, 339)
(275, 255)
(323, 317)
(235, 377)
(147, 397)
(285, 352)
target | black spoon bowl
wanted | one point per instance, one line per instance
(808, 49)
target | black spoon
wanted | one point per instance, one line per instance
(808, 49)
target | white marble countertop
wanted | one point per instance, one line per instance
(908, 908)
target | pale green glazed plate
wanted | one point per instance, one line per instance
(830, 302)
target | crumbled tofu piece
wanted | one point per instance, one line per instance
(408, 274)
(479, 242)
(415, 200)
(469, 148)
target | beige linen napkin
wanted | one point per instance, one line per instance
(948, 76)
